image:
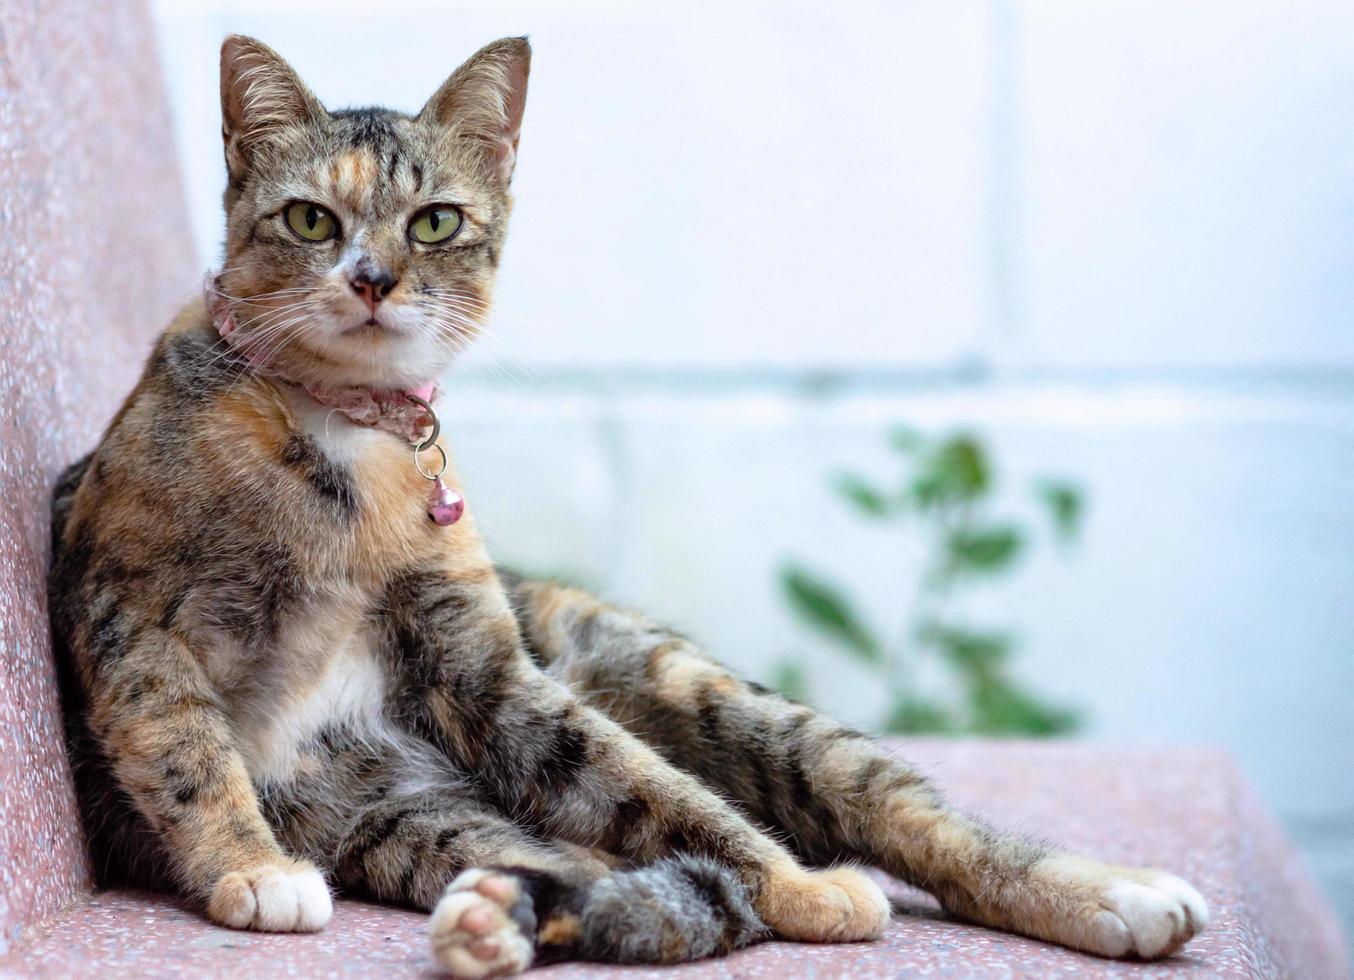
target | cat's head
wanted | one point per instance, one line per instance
(361, 244)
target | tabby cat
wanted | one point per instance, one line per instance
(291, 670)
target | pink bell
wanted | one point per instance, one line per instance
(445, 505)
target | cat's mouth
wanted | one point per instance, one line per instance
(370, 327)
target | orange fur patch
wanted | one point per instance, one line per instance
(563, 931)
(353, 175)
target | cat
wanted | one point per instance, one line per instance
(289, 666)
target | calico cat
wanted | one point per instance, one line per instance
(290, 668)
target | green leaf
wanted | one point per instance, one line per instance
(985, 549)
(906, 440)
(790, 680)
(970, 650)
(825, 608)
(1002, 708)
(958, 470)
(913, 716)
(862, 495)
(1065, 503)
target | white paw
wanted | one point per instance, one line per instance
(473, 931)
(290, 897)
(1150, 918)
(1112, 911)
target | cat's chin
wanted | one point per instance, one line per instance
(379, 357)
(331, 369)
(394, 378)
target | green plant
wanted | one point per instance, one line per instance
(945, 499)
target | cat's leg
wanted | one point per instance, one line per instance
(443, 852)
(836, 794)
(495, 920)
(502, 898)
(158, 721)
(572, 773)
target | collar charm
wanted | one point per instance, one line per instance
(445, 505)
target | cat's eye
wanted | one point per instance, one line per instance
(311, 222)
(435, 224)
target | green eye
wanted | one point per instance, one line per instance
(435, 224)
(311, 222)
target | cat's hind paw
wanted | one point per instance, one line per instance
(483, 926)
(289, 896)
(837, 905)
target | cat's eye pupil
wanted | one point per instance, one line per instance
(312, 217)
(434, 219)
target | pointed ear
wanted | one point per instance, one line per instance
(260, 94)
(483, 101)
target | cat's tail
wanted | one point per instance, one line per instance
(679, 908)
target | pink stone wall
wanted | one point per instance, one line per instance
(94, 257)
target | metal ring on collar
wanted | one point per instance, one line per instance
(418, 461)
(437, 428)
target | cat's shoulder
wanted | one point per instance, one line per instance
(190, 359)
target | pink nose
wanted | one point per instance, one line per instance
(372, 286)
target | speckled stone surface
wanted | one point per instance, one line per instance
(1187, 811)
(94, 256)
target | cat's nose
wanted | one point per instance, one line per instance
(373, 285)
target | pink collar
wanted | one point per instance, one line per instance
(392, 409)
(407, 412)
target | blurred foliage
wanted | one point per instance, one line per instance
(822, 606)
(944, 499)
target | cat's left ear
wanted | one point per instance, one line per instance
(484, 99)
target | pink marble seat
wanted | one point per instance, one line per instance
(94, 256)
(1187, 810)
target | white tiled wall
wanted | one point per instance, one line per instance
(1186, 183)
(1113, 237)
(682, 163)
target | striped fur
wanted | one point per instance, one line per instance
(833, 793)
(281, 677)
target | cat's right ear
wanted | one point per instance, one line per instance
(260, 94)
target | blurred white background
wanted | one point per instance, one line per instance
(1113, 238)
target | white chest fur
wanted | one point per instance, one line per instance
(321, 669)
(337, 438)
(349, 690)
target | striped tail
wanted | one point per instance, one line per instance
(677, 909)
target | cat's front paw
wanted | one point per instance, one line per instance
(1120, 912)
(285, 896)
(483, 926)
